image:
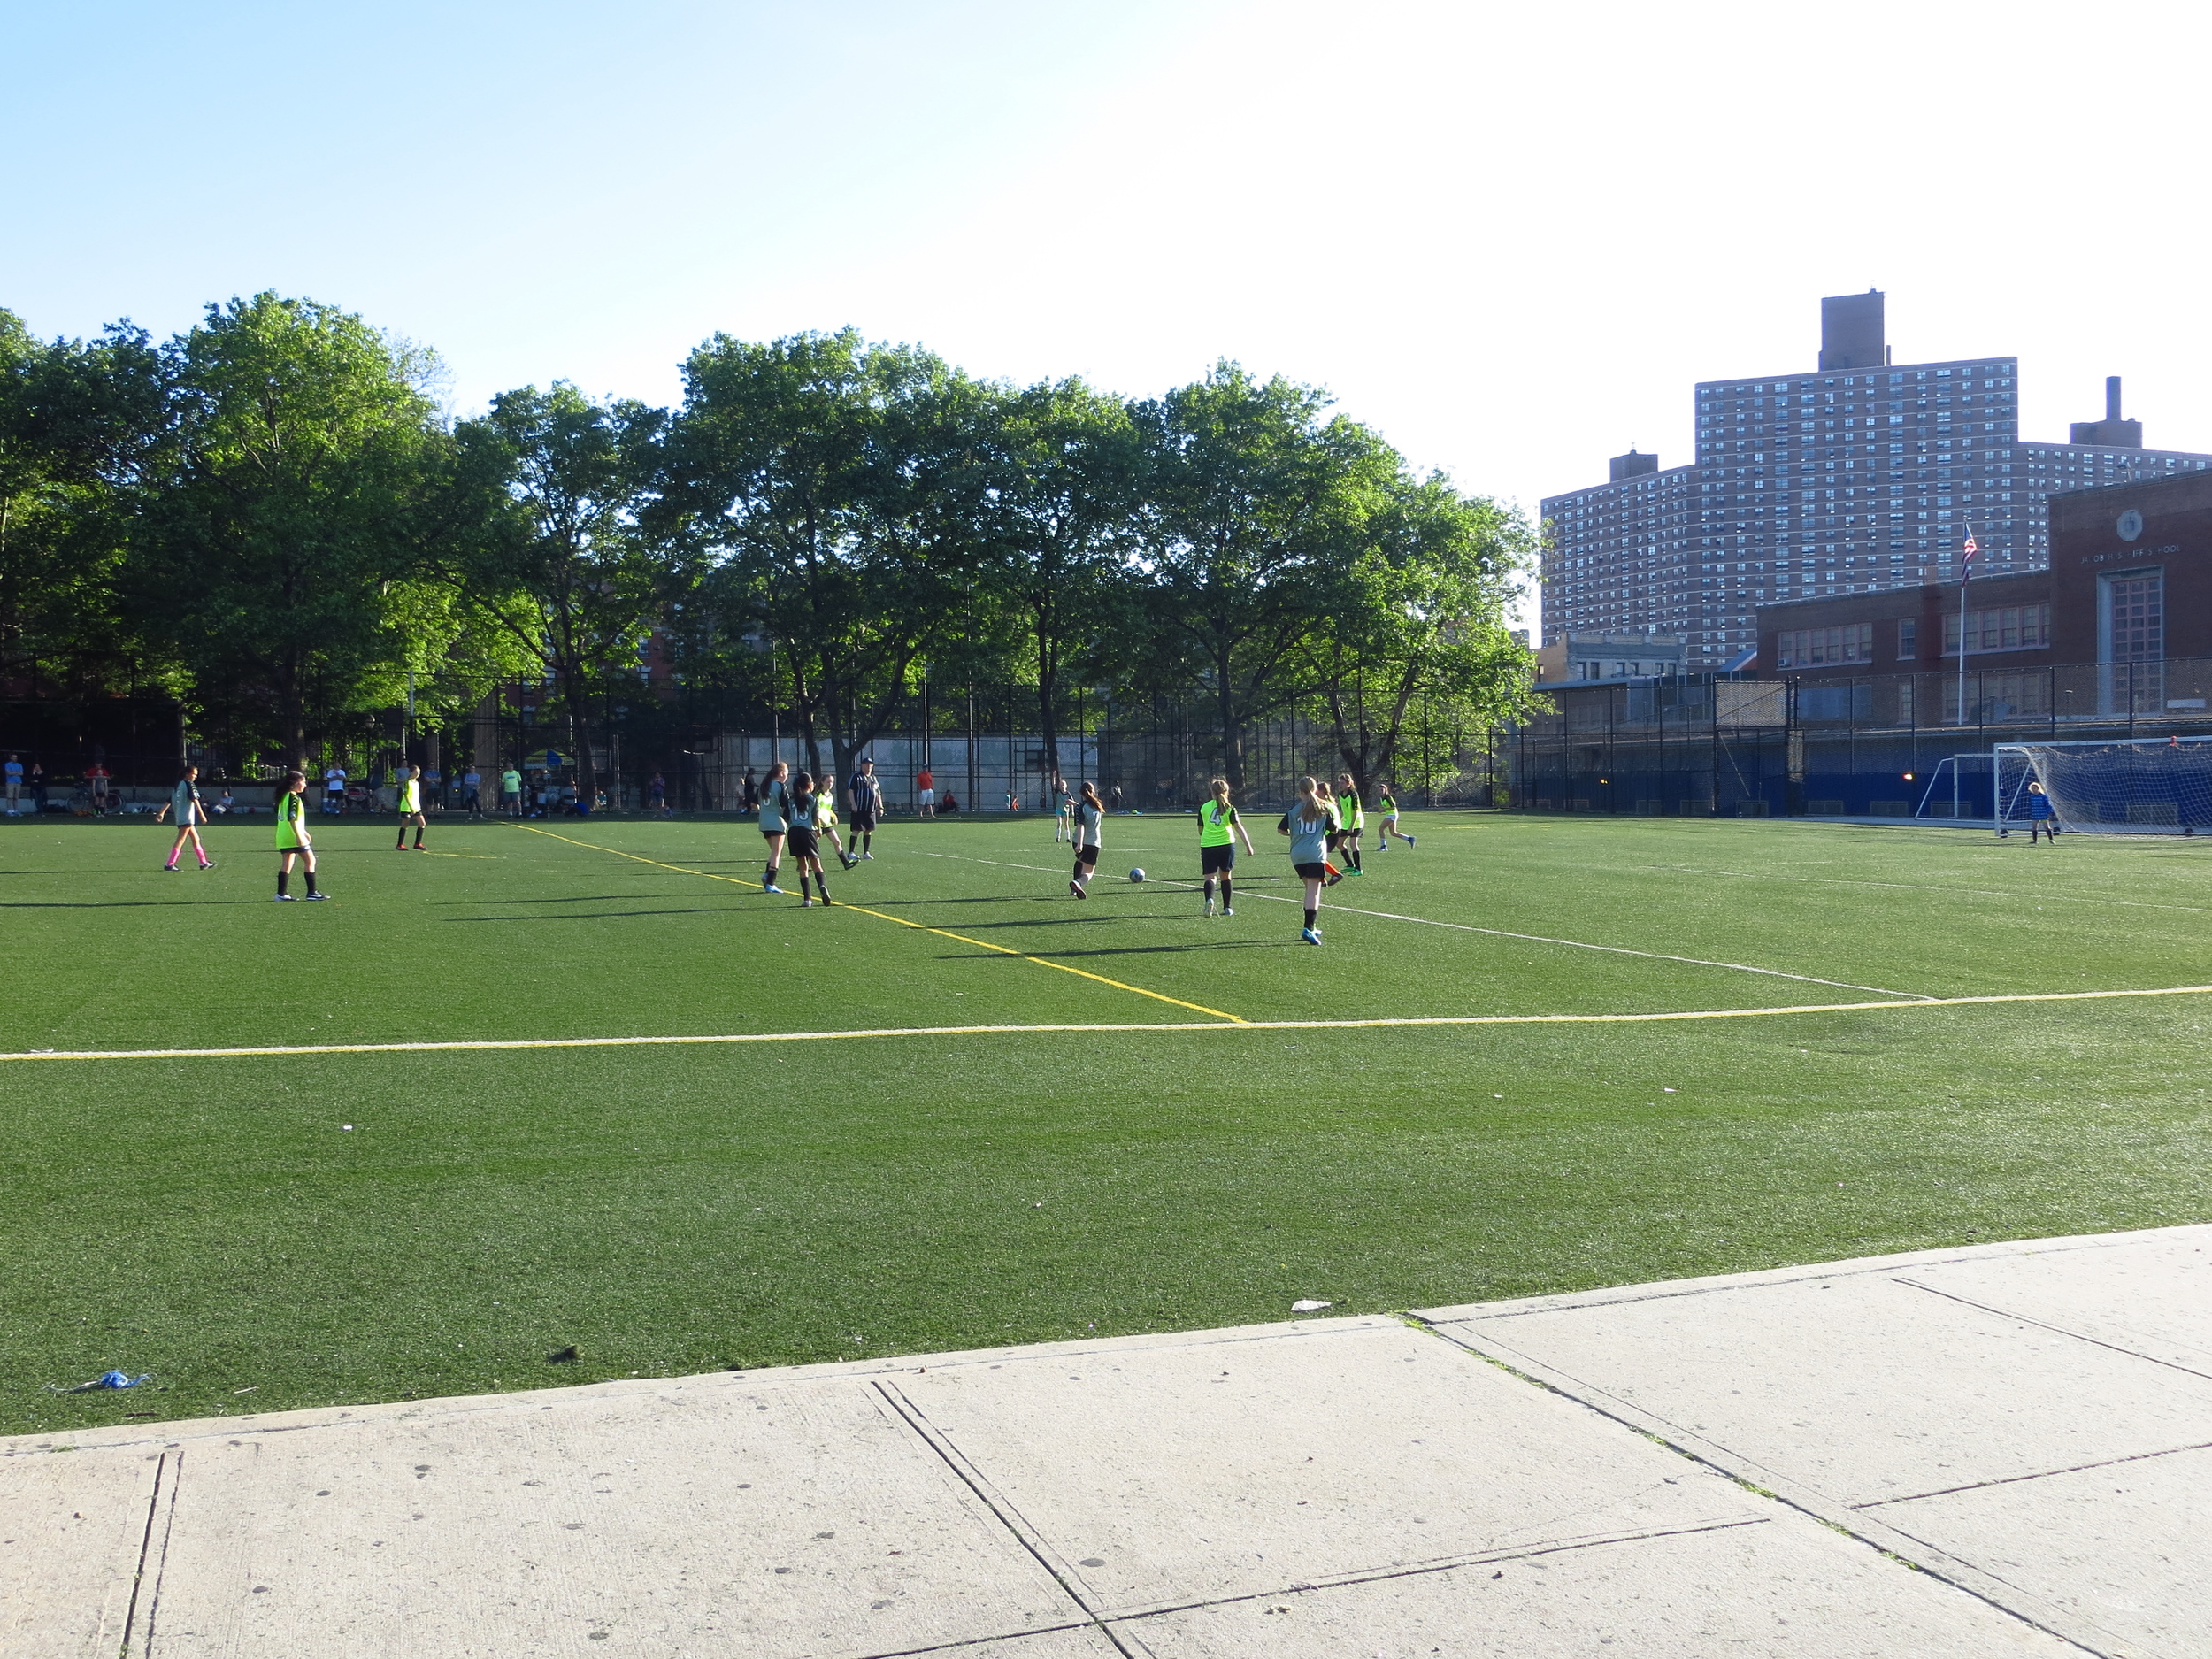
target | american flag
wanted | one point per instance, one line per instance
(1966, 558)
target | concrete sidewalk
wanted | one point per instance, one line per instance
(1999, 1450)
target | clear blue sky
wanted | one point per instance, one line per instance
(1510, 237)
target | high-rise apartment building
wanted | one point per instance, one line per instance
(1862, 475)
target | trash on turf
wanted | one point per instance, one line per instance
(346, 1126)
(1307, 1304)
(104, 1380)
(563, 1356)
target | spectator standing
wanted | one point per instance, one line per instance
(97, 777)
(925, 782)
(472, 792)
(511, 793)
(38, 786)
(13, 771)
(334, 788)
(749, 794)
(657, 796)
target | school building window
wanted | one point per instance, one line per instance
(2012, 628)
(1808, 647)
(1908, 638)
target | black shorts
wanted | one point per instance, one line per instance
(864, 820)
(1217, 861)
(771, 829)
(799, 842)
(1312, 872)
(1088, 856)
(1336, 839)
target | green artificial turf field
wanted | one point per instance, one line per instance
(213, 1221)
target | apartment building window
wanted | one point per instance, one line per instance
(1809, 648)
(2011, 628)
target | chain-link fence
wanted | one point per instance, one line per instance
(1858, 746)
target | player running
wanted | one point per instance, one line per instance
(410, 809)
(1090, 817)
(1311, 823)
(184, 801)
(1351, 819)
(863, 793)
(775, 807)
(1389, 806)
(1219, 828)
(825, 820)
(292, 839)
(806, 851)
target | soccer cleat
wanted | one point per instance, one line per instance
(871, 857)
(172, 869)
(1077, 890)
(806, 904)
(285, 898)
(1210, 907)
(1310, 935)
(207, 864)
(1408, 843)
(770, 887)
(319, 894)
(1226, 910)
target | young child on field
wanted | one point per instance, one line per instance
(184, 801)
(2042, 815)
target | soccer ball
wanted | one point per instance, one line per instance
(1136, 875)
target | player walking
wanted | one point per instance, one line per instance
(1389, 806)
(1311, 824)
(1351, 820)
(775, 805)
(184, 802)
(1090, 817)
(1063, 826)
(1220, 829)
(864, 791)
(292, 839)
(806, 851)
(410, 809)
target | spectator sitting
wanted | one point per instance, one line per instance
(948, 801)
(225, 804)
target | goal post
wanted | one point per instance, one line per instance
(2150, 786)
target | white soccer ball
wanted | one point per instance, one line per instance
(1136, 875)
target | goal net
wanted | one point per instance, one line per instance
(2138, 787)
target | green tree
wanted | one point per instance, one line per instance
(281, 532)
(78, 422)
(1254, 500)
(568, 548)
(1418, 626)
(1059, 530)
(830, 488)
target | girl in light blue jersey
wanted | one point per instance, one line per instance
(1310, 822)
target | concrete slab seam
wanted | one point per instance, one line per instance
(2057, 1330)
(1000, 1507)
(161, 1514)
(1669, 1290)
(2039, 1474)
(1910, 1552)
(1454, 1564)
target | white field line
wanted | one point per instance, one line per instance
(1923, 886)
(1540, 939)
(487, 1045)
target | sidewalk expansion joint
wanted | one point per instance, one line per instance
(2057, 1330)
(2039, 1474)
(1833, 1517)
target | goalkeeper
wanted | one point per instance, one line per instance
(2042, 815)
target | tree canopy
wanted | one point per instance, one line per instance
(271, 516)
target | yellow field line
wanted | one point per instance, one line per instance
(1174, 1025)
(984, 944)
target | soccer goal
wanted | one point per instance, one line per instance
(2150, 786)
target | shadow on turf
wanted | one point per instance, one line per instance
(1136, 950)
(598, 915)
